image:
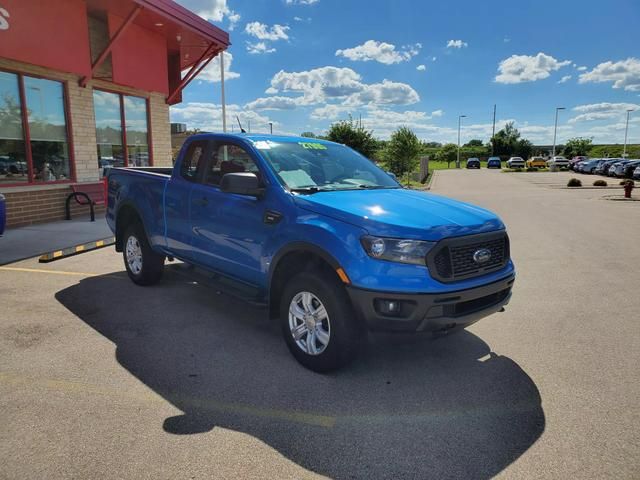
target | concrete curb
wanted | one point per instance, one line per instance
(76, 249)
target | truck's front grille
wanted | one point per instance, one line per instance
(453, 259)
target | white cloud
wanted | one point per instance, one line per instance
(301, 2)
(332, 84)
(208, 117)
(330, 112)
(211, 73)
(437, 113)
(318, 84)
(456, 44)
(262, 31)
(623, 74)
(421, 68)
(527, 68)
(272, 103)
(259, 47)
(381, 52)
(433, 59)
(212, 10)
(234, 18)
(564, 79)
(581, 69)
(602, 111)
(385, 93)
(506, 39)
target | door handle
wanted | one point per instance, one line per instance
(203, 202)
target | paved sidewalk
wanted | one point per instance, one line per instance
(26, 242)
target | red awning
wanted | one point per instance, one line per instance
(191, 42)
(185, 32)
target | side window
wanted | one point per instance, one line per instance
(193, 161)
(228, 158)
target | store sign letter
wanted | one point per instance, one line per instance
(4, 22)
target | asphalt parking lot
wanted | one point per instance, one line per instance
(100, 378)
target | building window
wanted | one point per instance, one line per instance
(34, 145)
(122, 130)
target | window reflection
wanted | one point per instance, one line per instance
(47, 129)
(135, 114)
(13, 162)
(108, 130)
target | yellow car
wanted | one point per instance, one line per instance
(538, 162)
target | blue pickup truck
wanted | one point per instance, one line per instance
(331, 244)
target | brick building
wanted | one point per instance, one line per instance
(86, 85)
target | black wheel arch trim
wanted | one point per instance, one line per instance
(300, 247)
(132, 206)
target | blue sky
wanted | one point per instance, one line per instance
(303, 64)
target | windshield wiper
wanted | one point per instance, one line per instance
(375, 187)
(305, 189)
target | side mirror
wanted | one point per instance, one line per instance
(244, 183)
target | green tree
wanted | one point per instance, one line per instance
(402, 152)
(351, 134)
(448, 153)
(505, 141)
(577, 146)
(474, 143)
(308, 135)
(523, 148)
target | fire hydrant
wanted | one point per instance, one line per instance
(628, 186)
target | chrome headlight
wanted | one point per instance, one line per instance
(397, 250)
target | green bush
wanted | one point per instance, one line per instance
(532, 169)
(624, 182)
(600, 183)
(574, 182)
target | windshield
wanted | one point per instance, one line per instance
(315, 166)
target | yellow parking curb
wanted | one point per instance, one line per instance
(76, 249)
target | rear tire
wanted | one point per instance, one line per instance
(318, 322)
(144, 266)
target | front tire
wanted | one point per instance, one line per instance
(318, 322)
(144, 266)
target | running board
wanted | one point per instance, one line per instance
(223, 284)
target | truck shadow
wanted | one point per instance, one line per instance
(409, 406)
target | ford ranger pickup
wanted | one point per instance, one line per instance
(327, 241)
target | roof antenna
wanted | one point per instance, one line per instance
(240, 125)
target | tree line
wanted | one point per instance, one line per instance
(401, 153)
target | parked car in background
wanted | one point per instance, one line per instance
(558, 161)
(636, 173)
(515, 162)
(589, 166)
(473, 162)
(619, 168)
(585, 166)
(536, 162)
(575, 160)
(630, 167)
(494, 162)
(603, 168)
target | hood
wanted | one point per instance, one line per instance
(402, 213)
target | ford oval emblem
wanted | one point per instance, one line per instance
(482, 256)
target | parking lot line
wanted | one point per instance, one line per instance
(66, 386)
(55, 272)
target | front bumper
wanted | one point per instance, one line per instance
(427, 312)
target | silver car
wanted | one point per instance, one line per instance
(515, 162)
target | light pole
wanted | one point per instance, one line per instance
(555, 129)
(460, 117)
(271, 128)
(626, 130)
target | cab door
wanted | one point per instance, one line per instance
(229, 230)
(177, 199)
